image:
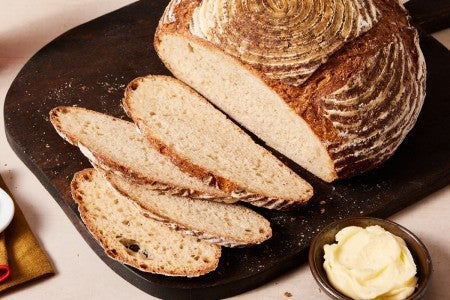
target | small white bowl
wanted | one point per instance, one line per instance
(6, 210)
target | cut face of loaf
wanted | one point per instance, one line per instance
(129, 237)
(204, 143)
(337, 99)
(116, 145)
(228, 225)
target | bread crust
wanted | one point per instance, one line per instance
(311, 100)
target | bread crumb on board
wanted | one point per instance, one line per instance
(287, 294)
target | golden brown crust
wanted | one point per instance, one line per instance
(285, 40)
(393, 45)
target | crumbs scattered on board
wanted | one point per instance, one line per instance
(69, 91)
(112, 84)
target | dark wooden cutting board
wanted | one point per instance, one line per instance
(90, 65)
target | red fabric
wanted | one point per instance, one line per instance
(4, 272)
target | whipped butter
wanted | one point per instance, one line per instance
(370, 263)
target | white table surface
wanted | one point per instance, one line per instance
(25, 27)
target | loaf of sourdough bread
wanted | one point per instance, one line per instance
(133, 239)
(333, 85)
(116, 145)
(203, 142)
(228, 225)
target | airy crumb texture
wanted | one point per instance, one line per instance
(131, 238)
(204, 143)
(116, 145)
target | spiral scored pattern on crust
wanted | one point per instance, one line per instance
(285, 39)
(385, 94)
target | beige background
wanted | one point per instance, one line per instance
(25, 27)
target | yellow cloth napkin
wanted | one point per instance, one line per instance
(20, 250)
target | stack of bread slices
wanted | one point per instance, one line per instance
(166, 197)
(334, 87)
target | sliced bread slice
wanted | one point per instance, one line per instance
(228, 225)
(204, 143)
(116, 145)
(131, 238)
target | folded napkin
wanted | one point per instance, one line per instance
(21, 257)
